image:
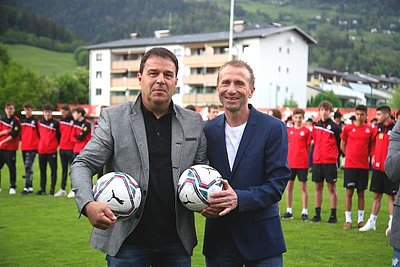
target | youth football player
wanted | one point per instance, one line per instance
(326, 136)
(356, 144)
(81, 134)
(49, 132)
(380, 183)
(299, 148)
(29, 145)
(9, 141)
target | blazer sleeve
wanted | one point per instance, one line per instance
(201, 153)
(90, 160)
(392, 163)
(276, 174)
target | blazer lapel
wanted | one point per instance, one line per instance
(221, 147)
(246, 138)
(139, 131)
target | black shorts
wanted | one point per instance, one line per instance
(356, 178)
(321, 172)
(301, 173)
(380, 183)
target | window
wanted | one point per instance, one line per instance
(287, 70)
(287, 89)
(99, 57)
(98, 74)
(98, 91)
(288, 50)
(280, 49)
(279, 69)
(178, 52)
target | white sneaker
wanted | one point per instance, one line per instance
(368, 226)
(30, 189)
(388, 230)
(71, 194)
(12, 191)
(60, 193)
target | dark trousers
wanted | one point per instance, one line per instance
(28, 156)
(52, 160)
(67, 156)
(8, 157)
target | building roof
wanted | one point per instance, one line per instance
(201, 38)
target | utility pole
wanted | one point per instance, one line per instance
(231, 29)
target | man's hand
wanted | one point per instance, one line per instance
(223, 202)
(100, 215)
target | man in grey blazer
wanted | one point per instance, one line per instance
(392, 169)
(154, 141)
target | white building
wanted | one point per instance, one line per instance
(278, 56)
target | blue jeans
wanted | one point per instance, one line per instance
(229, 256)
(396, 258)
(173, 255)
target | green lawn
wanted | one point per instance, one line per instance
(46, 231)
(43, 61)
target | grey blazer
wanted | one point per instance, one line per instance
(120, 144)
(392, 169)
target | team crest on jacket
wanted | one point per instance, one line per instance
(302, 133)
(51, 125)
(16, 128)
(328, 127)
(353, 130)
(367, 130)
(33, 122)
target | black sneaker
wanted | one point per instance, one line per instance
(332, 219)
(51, 193)
(40, 193)
(287, 216)
(316, 219)
(304, 217)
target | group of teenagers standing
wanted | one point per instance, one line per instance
(362, 145)
(45, 137)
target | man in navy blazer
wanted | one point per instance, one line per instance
(249, 149)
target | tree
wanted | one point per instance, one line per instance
(395, 102)
(23, 85)
(329, 96)
(73, 88)
(290, 103)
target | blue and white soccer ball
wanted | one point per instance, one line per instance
(119, 191)
(195, 185)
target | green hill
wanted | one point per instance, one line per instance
(43, 61)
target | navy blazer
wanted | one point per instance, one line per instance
(259, 176)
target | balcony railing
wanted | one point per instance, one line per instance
(200, 99)
(117, 99)
(205, 60)
(131, 65)
(204, 79)
(129, 82)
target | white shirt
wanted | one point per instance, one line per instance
(233, 135)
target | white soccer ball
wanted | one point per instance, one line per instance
(119, 191)
(195, 185)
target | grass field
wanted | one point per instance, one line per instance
(46, 231)
(43, 61)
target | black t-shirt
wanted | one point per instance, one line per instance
(158, 223)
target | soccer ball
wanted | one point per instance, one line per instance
(196, 183)
(119, 191)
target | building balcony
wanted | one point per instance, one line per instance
(205, 60)
(131, 65)
(118, 99)
(201, 99)
(125, 82)
(203, 79)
